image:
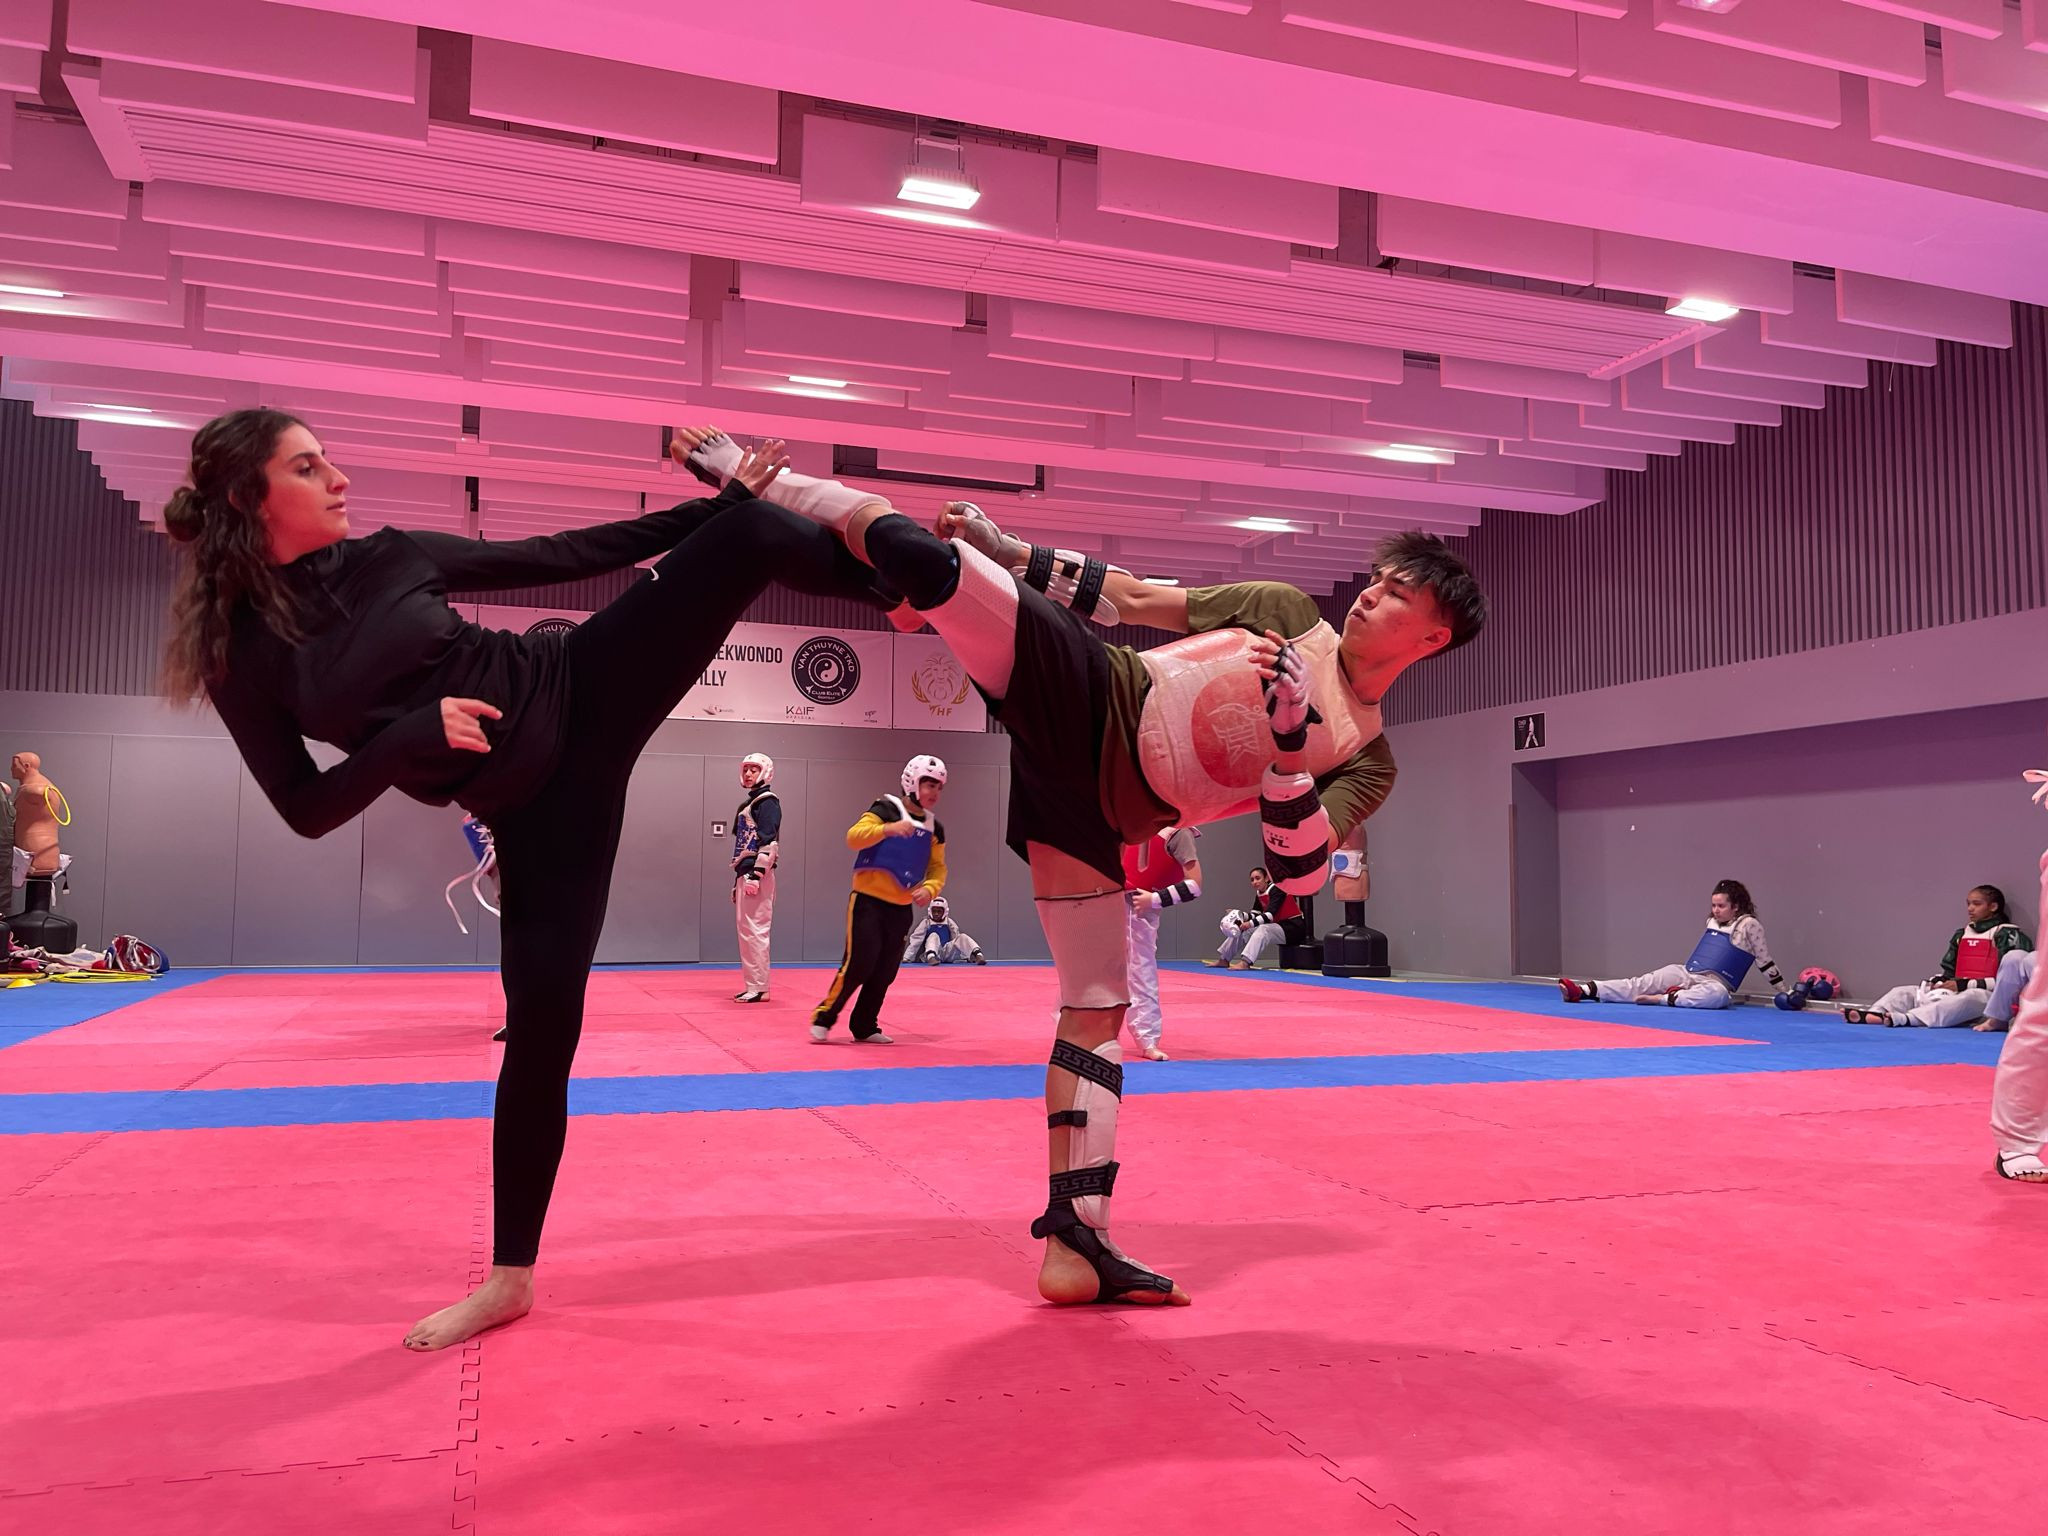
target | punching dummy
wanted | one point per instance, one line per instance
(37, 862)
(1355, 949)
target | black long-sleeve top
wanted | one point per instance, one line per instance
(379, 649)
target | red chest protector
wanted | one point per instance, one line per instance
(1148, 866)
(1977, 955)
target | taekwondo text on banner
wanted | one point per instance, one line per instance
(786, 674)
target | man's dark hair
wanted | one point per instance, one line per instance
(1426, 561)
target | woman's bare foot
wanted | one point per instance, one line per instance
(505, 1296)
(1067, 1280)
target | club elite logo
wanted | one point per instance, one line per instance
(826, 670)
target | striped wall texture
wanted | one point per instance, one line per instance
(1919, 501)
(1916, 502)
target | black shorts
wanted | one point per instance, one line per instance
(1056, 712)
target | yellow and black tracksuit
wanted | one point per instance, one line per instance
(888, 872)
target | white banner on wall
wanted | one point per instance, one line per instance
(932, 690)
(785, 674)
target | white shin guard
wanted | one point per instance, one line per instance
(1090, 1126)
(1090, 940)
(979, 621)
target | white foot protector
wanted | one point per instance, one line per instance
(2024, 1166)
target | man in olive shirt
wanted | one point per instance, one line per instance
(1263, 706)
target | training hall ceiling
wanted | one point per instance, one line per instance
(1226, 254)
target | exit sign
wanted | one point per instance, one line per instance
(1528, 732)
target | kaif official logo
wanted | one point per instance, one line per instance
(826, 669)
(551, 627)
(940, 683)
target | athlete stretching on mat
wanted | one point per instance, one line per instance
(296, 630)
(1265, 707)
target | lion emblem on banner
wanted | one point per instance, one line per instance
(939, 681)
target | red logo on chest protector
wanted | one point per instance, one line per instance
(1232, 741)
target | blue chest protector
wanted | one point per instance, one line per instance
(943, 932)
(907, 859)
(1716, 954)
(746, 830)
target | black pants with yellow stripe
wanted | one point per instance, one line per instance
(875, 935)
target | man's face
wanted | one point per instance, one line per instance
(928, 791)
(1393, 619)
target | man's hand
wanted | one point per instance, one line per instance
(900, 829)
(761, 465)
(459, 723)
(922, 896)
(1143, 901)
(1283, 672)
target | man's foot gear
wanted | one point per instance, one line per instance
(750, 997)
(980, 958)
(821, 1032)
(1572, 991)
(877, 1038)
(931, 959)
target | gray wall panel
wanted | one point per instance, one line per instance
(410, 852)
(656, 883)
(298, 900)
(171, 845)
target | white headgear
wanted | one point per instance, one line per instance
(762, 761)
(923, 767)
(939, 908)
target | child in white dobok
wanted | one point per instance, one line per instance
(1711, 975)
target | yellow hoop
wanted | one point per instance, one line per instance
(63, 816)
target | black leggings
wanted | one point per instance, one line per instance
(629, 665)
(875, 934)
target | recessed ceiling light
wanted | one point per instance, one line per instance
(937, 175)
(32, 293)
(1713, 311)
(1410, 453)
(1710, 5)
(1267, 524)
(805, 378)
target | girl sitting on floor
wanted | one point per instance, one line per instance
(1955, 995)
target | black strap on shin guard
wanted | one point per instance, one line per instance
(1069, 1057)
(1088, 586)
(1115, 1276)
(1038, 569)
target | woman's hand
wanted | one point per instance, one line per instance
(761, 465)
(459, 721)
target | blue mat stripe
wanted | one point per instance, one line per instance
(195, 1109)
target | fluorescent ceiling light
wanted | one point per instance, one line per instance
(121, 417)
(1410, 453)
(1267, 524)
(1713, 311)
(31, 293)
(804, 378)
(1161, 581)
(129, 410)
(937, 176)
(1710, 5)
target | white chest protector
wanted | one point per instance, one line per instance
(1203, 741)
